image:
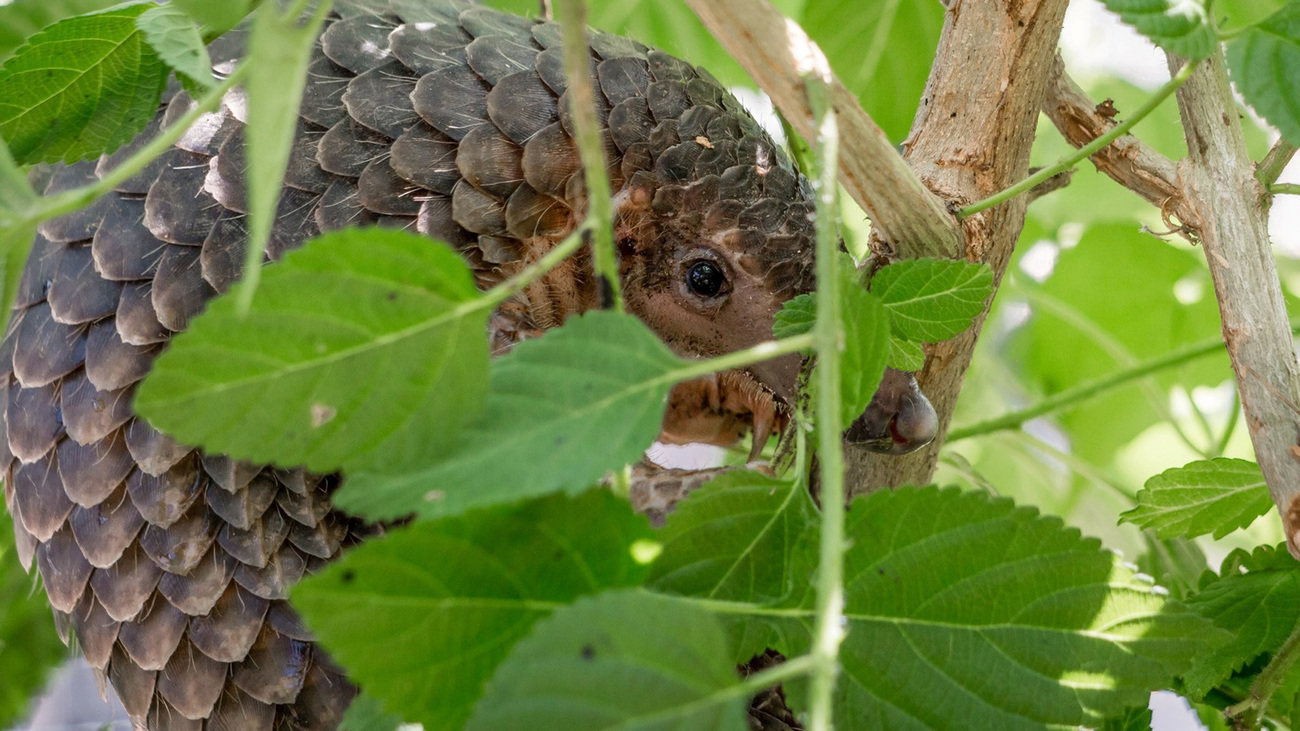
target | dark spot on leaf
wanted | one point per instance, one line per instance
(392, 296)
(559, 441)
(347, 576)
(588, 652)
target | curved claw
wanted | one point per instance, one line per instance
(899, 418)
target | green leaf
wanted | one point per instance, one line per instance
(367, 714)
(1179, 26)
(1214, 496)
(1176, 563)
(905, 355)
(1133, 719)
(29, 647)
(21, 19)
(741, 537)
(84, 86)
(15, 244)
(1258, 608)
(866, 350)
(931, 300)
(964, 611)
(630, 660)
(364, 346)
(175, 38)
(796, 317)
(563, 409)
(1265, 63)
(423, 616)
(218, 17)
(881, 49)
(1235, 14)
(279, 49)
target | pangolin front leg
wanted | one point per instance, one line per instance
(170, 566)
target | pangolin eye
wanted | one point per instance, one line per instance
(705, 278)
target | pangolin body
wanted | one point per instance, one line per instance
(170, 566)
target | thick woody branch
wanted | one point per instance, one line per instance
(1220, 182)
(777, 53)
(971, 138)
(1127, 160)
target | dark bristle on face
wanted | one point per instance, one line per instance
(172, 567)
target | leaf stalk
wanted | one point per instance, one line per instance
(1249, 712)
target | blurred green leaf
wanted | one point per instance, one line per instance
(1178, 26)
(562, 409)
(866, 349)
(930, 300)
(1137, 718)
(29, 647)
(1234, 14)
(1175, 563)
(796, 317)
(422, 617)
(21, 19)
(176, 39)
(628, 660)
(1265, 63)
(905, 355)
(1257, 601)
(1214, 496)
(365, 346)
(218, 17)
(367, 714)
(82, 87)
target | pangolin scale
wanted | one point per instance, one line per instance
(170, 566)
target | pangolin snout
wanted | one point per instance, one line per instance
(899, 419)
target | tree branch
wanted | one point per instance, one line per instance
(777, 53)
(1271, 167)
(971, 139)
(1220, 182)
(1127, 160)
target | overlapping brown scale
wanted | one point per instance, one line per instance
(550, 68)
(426, 157)
(178, 210)
(257, 544)
(229, 474)
(78, 225)
(381, 190)
(38, 492)
(139, 183)
(608, 45)
(179, 547)
(134, 686)
(238, 711)
(106, 529)
(426, 47)
(152, 639)
(154, 452)
(380, 98)
(551, 159)
(324, 698)
(436, 220)
(242, 507)
(197, 592)
(348, 147)
(359, 43)
(295, 222)
(520, 105)
(630, 122)
(137, 321)
(495, 57)
(163, 716)
(322, 540)
(273, 580)
(490, 162)
(33, 422)
(665, 67)
(191, 682)
(123, 249)
(96, 631)
(453, 100)
(566, 112)
(339, 207)
(64, 569)
(228, 631)
(92, 472)
(322, 96)
(164, 499)
(45, 349)
(179, 291)
(529, 214)
(38, 275)
(221, 260)
(89, 414)
(480, 21)
(623, 78)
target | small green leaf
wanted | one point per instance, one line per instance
(1265, 63)
(1257, 601)
(930, 299)
(741, 537)
(422, 617)
(175, 38)
(22, 19)
(905, 355)
(629, 660)
(218, 17)
(279, 49)
(866, 350)
(15, 244)
(1214, 496)
(796, 317)
(1179, 26)
(82, 87)
(563, 409)
(364, 346)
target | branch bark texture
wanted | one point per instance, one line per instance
(1220, 183)
(777, 53)
(971, 138)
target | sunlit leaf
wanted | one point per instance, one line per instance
(1214, 496)
(905, 355)
(217, 16)
(422, 617)
(1265, 63)
(629, 660)
(796, 317)
(930, 299)
(363, 346)
(82, 87)
(176, 39)
(21, 19)
(1178, 26)
(866, 349)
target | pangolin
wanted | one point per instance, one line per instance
(171, 566)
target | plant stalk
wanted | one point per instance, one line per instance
(1088, 150)
(1270, 168)
(1251, 710)
(582, 105)
(1284, 188)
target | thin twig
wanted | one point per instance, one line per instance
(1249, 711)
(1287, 188)
(582, 106)
(1270, 168)
(778, 54)
(1088, 150)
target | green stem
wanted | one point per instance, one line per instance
(1221, 444)
(582, 105)
(1088, 389)
(1088, 150)
(1077, 465)
(741, 358)
(1270, 168)
(828, 333)
(64, 203)
(1284, 188)
(1249, 711)
(534, 271)
(774, 676)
